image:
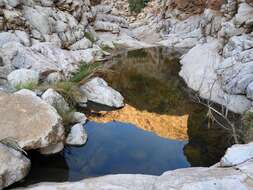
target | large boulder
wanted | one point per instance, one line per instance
(200, 67)
(203, 179)
(183, 179)
(30, 121)
(237, 154)
(236, 70)
(98, 91)
(14, 166)
(56, 100)
(111, 182)
(47, 58)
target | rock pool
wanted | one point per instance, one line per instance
(159, 129)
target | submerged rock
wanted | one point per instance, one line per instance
(29, 120)
(77, 135)
(98, 91)
(14, 166)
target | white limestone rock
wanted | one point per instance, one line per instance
(47, 57)
(237, 154)
(245, 13)
(111, 182)
(182, 179)
(6, 37)
(56, 100)
(98, 91)
(26, 92)
(202, 179)
(236, 70)
(30, 121)
(14, 166)
(22, 77)
(113, 19)
(77, 135)
(54, 77)
(38, 19)
(106, 27)
(250, 91)
(199, 70)
(78, 117)
(81, 44)
(23, 37)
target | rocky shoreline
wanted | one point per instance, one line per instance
(234, 171)
(48, 41)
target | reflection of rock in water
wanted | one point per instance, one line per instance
(157, 98)
(207, 144)
(164, 125)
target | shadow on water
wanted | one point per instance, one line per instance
(157, 100)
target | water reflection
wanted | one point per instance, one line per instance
(157, 100)
(116, 147)
(207, 143)
(156, 97)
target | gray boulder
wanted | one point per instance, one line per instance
(201, 74)
(56, 100)
(14, 166)
(30, 121)
(237, 154)
(77, 135)
(98, 91)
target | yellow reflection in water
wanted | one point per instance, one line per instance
(167, 126)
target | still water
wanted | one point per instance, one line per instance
(122, 148)
(159, 129)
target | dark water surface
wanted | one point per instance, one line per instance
(149, 81)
